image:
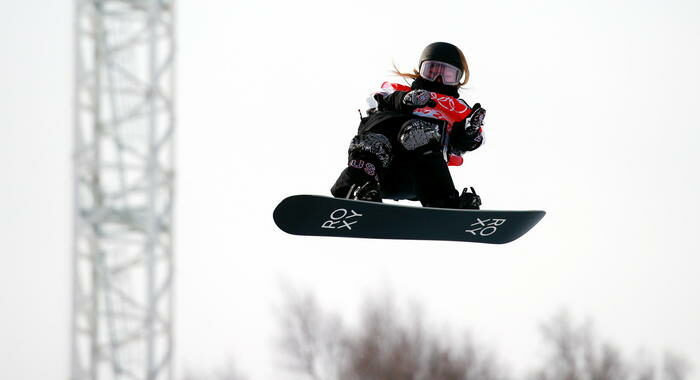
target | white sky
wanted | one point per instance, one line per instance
(592, 116)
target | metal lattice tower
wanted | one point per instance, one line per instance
(123, 182)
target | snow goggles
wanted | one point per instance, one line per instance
(450, 75)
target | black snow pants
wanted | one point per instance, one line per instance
(421, 175)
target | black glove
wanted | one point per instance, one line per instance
(465, 134)
(403, 101)
(476, 120)
(417, 99)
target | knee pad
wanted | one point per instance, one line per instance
(420, 135)
(371, 147)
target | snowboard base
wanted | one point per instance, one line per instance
(315, 215)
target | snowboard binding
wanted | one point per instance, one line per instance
(367, 192)
(469, 200)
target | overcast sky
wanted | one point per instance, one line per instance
(592, 116)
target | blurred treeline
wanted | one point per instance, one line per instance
(392, 344)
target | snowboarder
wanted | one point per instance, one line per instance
(411, 134)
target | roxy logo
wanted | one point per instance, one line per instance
(341, 218)
(485, 227)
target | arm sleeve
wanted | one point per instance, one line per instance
(390, 101)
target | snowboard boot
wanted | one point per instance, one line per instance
(367, 192)
(469, 200)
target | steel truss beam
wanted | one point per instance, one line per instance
(123, 190)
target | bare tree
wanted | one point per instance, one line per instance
(675, 367)
(393, 344)
(383, 346)
(575, 353)
(311, 340)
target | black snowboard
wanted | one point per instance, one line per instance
(326, 216)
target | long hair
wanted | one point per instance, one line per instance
(416, 74)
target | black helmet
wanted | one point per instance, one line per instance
(443, 52)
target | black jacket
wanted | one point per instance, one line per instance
(391, 114)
